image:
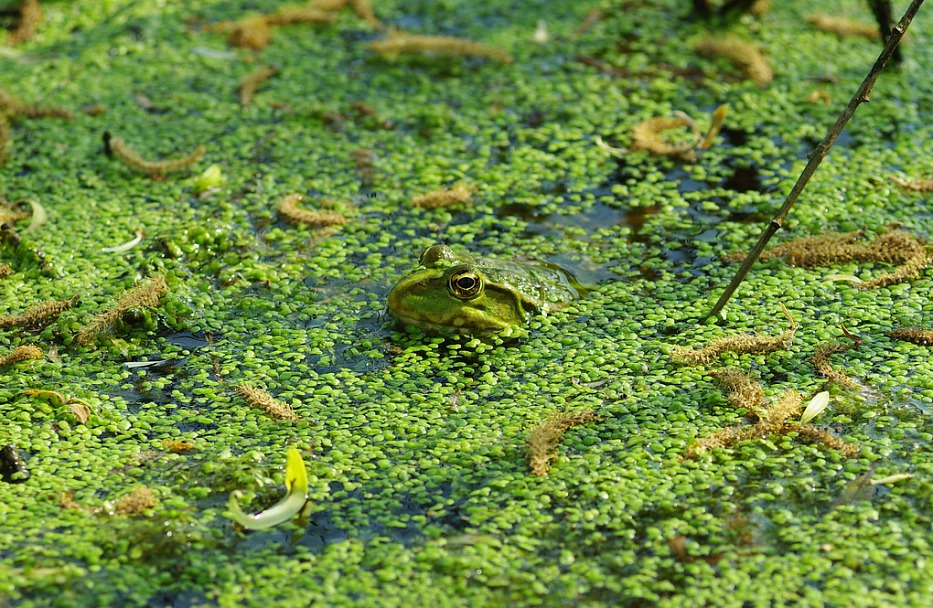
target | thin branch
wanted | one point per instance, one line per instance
(816, 157)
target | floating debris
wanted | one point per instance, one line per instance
(773, 421)
(12, 465)
(918, 185)
(843, 26)
(894, 246)
(746, 343)
(543, 439)
(257, 397)
(402, 43)
(821, 358)
(288, 209)
(127, 245)
(445, 197)
(29, 17)
(38, 316)
(251, 82)
(156, 169)
(137, 501)
(917, 335)
(145, 295)
(816, 407)
(296, 495)
(20, 354)
(745, 56)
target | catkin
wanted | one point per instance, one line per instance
(259, 398)
(154, 168)
(288, 209)
(543, 439)
(445, 197)
(38, 316)
(145, 295)
(741, 54)
(400, 43)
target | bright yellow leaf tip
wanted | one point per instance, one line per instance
(296, 487)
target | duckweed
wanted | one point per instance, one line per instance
(419, 480)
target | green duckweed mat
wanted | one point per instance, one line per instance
(420, 491)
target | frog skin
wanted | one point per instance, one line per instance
(453, 291)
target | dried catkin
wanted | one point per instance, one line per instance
(743, 55)
(259, 398)
(288, 209)
(445, 197)
(543, 439)
(400, 43)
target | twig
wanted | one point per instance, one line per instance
(816, 157)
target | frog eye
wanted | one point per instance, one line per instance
(465, 284)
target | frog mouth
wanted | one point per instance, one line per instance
(450, 328)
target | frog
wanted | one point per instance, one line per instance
(454, 291)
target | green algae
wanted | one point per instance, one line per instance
(419, 485)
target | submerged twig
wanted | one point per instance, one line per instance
(816, 157)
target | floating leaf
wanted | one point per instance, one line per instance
(815, 407)
(296, 486)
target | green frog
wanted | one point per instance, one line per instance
(454, 291)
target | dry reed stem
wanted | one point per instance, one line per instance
(251, 82)
(542, 440)
(154, 168)
(288, 209)
(21, 353)
(29, 17)
(917, 335)
(400, 43)
(257, 397)
(842, 26)
(38, 316)
(145, 295)
(445, 197)
(743, 55)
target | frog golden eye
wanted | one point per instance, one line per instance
(465, 284)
